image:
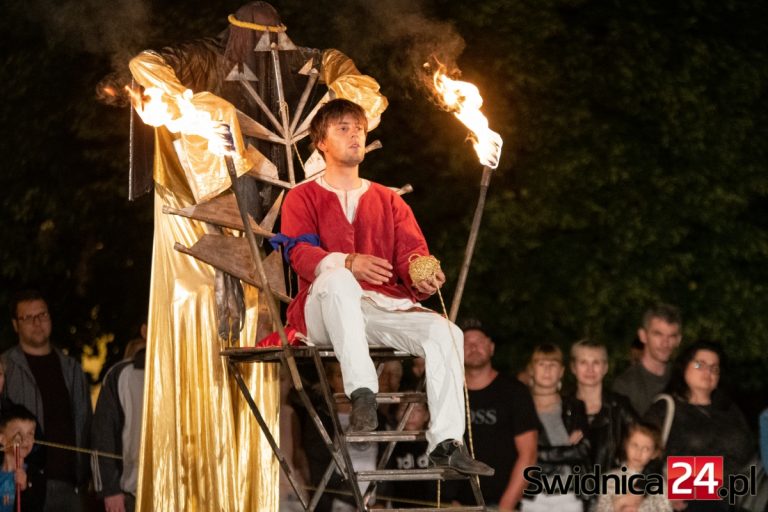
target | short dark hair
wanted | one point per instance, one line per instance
(677, 386)
(333, 111)
(667, 312)
(15, 412)
(26, 295)
(473, 324)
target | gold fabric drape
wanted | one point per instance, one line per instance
(346, 81)
(203, 173)
(201, 448)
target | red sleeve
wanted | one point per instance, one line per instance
(299, 217)
(409, 240)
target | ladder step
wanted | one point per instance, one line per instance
(397, 397)
(390, 475)
(386, 436)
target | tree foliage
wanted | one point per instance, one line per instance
(633, 170)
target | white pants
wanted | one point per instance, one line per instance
(336, 313)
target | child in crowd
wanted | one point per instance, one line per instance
(17, 428)
(642, 444)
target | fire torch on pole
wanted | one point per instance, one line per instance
(464, 100)
(471, 242)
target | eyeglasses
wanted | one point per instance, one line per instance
(701, 365)
(30, 319)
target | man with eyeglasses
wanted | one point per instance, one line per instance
(660, 333)
(52, 385)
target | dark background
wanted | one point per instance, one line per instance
(633, 170)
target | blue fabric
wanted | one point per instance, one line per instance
(7, 491)
(288, 243)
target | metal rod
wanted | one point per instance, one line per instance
(283, 108)
(456, 302)
(267, 433)
(330, 444)
(253, 128)
(313, 74)
(307, 120)
(274, 312)
(263, 107)
(340, 440)
(272, 181)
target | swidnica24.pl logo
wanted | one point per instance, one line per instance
(688, 478)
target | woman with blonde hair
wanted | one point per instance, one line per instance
(609, 414)
(562, 422)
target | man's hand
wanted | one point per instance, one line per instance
(114, 503)
(371, 269)
(430, 286)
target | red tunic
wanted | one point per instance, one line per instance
(384, 226)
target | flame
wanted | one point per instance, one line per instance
(464, 100)
(178, 114)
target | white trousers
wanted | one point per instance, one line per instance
(337, 314)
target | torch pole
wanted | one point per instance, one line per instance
(471, 242)
(259, 267)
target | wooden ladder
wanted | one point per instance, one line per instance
(338, 442)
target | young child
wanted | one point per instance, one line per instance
(17, 428)
(642, 444)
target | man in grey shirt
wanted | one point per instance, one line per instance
(660, 334)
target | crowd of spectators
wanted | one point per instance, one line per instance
(618, 428)
(656, 407)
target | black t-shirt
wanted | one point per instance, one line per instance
(59, 424)
(502, 410)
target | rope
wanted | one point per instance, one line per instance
(425, 267)
(466, 391)
(301, 161)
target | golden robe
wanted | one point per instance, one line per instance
(201, 447)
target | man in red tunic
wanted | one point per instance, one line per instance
(351, 242)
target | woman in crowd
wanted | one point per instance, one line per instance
(562, 422)
(609, 414)
(705, 421)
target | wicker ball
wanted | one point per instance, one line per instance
(423, 267)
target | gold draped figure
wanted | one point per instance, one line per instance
(201, 448)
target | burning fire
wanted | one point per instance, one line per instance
(179, 115)
(464, 100)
